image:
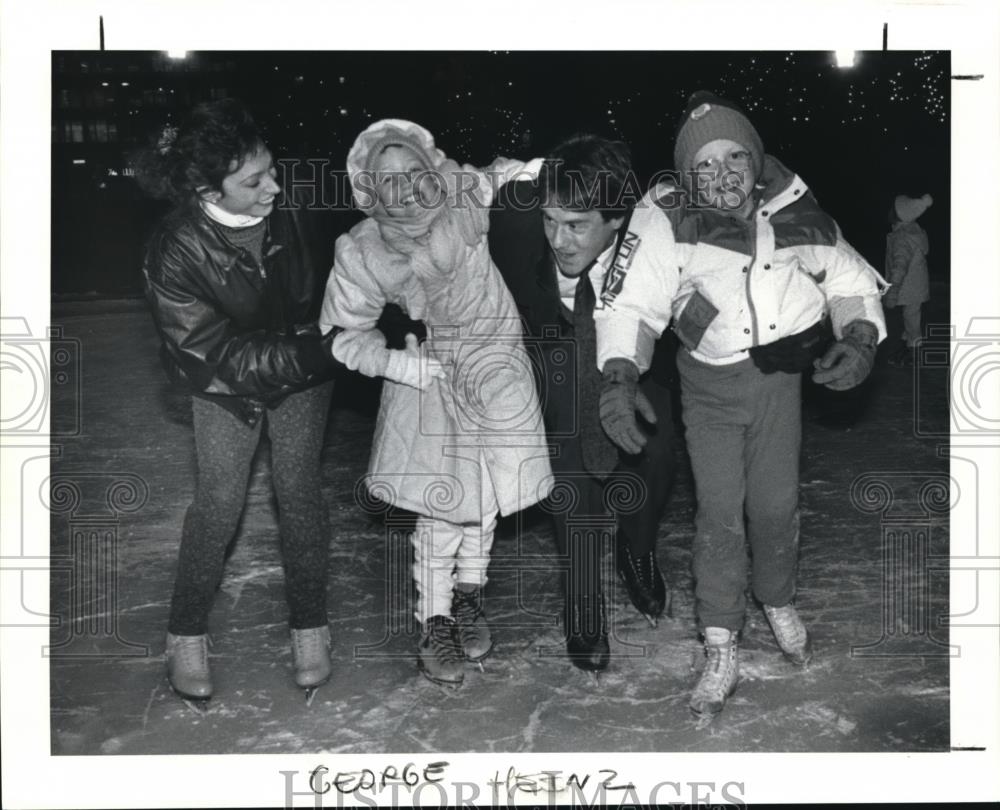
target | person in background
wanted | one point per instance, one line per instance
(746, 266)
(906, 251)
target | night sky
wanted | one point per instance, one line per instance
(482, 104)
(858, 136)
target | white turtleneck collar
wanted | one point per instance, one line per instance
(224, 217)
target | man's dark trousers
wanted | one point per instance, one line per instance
(640, 485)
(520, 251)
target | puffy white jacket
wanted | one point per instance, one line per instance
(728, 283)
(437, 452)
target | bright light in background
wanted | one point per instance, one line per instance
(177, 54)
(845, 59)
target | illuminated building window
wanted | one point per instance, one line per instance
(97, 131)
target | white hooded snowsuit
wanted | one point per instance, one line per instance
(473, 443)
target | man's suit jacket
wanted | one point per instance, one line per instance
(521, 253)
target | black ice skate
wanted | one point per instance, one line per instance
(587, 634)
(643, 582)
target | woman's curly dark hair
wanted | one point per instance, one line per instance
(199, 154)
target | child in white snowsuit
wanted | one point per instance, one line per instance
(906, 268)
(459, 435)
(745, 265)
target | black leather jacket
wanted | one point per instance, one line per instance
(236, 331)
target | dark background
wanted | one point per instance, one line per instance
(857, 136)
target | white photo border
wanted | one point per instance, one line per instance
(32, 29)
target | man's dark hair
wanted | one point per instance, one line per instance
(588, 172)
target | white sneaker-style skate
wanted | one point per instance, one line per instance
(790, 633)
(721, 674)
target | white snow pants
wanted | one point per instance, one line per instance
(446, 553)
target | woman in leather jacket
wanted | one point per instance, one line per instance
(235, 292)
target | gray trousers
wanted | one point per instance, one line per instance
(225, 447)
(911, 324)
(744, 435)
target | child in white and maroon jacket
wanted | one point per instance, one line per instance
(906, 268)
(746, 266)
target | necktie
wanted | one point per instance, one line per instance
(600, 456)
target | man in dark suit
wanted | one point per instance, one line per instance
(554, 241)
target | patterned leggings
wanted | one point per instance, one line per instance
(225, 447)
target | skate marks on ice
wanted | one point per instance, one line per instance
(529, 698)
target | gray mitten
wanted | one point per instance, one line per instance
(848, 361)
(620, 399)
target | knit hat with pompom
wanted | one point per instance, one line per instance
(709, 118)
(909, 208)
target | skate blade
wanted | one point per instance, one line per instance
(651, 619)
(802, 659)
(197, 705)
(310, 694)
(478, 660)
(704, 719)
(449, 686)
